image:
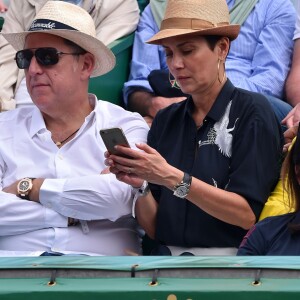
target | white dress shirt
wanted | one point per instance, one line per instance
(73, 187)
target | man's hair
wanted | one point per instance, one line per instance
(74, 46)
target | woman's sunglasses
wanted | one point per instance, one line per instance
(44, 56)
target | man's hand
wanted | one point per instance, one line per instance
(147, 104)
(289, 135)
(34, 193)
(12, 189)
(293, 117)
(159, 103)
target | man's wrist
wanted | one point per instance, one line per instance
(35, 191)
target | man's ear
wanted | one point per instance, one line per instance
(88, 64)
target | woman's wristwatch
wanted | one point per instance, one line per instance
(182, 188)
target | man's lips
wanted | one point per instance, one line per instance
(37, 85)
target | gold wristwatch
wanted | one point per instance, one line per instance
(24, 187)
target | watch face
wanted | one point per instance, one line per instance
(181, 191)
(24, 185)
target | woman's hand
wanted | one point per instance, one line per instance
(147, 164)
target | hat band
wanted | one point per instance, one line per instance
(184, 23)
(46, 24)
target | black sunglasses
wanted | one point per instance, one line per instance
(44, 56)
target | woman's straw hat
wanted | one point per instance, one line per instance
(195, 17)
(71, 22)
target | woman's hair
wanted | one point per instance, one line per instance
(211, 40)
(290, 181)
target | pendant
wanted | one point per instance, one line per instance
(58, 144)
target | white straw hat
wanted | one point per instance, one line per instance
(71, 22)
(196, 17)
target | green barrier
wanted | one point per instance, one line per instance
(1, 22)
(140, 277)
(109, 86)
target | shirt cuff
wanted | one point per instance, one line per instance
(50, 198)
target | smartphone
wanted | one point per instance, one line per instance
(112, 137)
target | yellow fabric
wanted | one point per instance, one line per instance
(277, 204)
(278, 201)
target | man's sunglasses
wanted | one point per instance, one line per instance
(44, 56)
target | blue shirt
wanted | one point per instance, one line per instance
(237, 149)
(259, 59)
(272, 236)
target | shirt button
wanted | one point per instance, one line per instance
(60, 157)
(49, 205)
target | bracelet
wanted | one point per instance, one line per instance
(142, 191)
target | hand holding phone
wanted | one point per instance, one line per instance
(112, 137)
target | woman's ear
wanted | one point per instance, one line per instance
(223, 48)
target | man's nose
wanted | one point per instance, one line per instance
(34, 67)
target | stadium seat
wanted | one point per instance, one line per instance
(109, 86)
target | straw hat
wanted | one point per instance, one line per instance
(196, 17)
(71, 22)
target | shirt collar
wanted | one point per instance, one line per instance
(38, 124)
(219, 106)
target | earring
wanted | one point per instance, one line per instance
(174, 83)
(221, 80)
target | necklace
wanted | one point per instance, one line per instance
(61, 142)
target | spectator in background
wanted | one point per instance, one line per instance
(279, 235)
(113, 19)
(258, 60)
(52, 167)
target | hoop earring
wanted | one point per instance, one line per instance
(223, 78)
(174, 83)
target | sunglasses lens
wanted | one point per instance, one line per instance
(44, 56)
(23, 58)
(47, 56)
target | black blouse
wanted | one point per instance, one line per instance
(238, 149)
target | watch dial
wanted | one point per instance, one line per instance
(181, 191)
(24, 185)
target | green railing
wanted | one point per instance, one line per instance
(139, 278)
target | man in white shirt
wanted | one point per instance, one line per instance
(57, 196)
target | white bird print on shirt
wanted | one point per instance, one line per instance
(220, 134)
(223, 135)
